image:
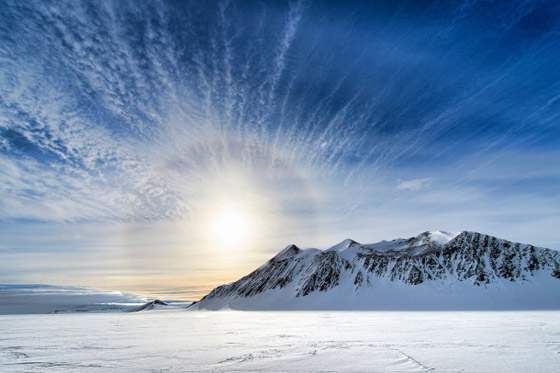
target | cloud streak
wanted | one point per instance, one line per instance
(414, 184)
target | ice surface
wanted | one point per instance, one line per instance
(177, 341)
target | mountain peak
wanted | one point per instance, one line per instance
(439, 237)
(443, 237)
(343, 245)
(288, 252)
(156, 303)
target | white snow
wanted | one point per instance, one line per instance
(443, 237)
(397, 244)
(439, 237)
(179, 341)
(342, 245)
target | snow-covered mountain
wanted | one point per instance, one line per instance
(434, 270)
(152, 305)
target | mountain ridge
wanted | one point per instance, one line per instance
(440, 264)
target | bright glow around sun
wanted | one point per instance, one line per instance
(230, 227)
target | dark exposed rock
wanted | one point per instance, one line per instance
(359, 279)
(324, 272)
(150, 305)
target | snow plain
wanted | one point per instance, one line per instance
(177, 340)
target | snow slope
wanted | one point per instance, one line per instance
(432, 271)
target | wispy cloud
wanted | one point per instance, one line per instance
(414, 184)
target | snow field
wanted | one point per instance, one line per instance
(178, 340)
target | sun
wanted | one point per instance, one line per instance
(230, 227)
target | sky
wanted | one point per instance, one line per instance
(172, 146)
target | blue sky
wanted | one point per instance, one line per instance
(126, 127)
